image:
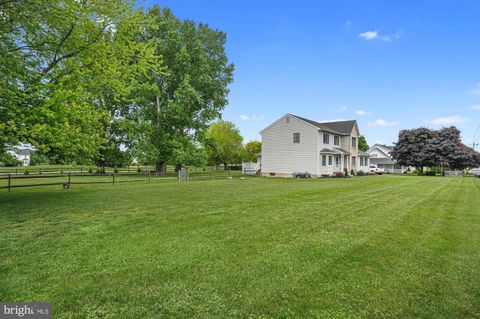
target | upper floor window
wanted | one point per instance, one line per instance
(296, 137)
(326, 138)
(336, 140)
(354, 142)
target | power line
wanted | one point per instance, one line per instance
(475, 136)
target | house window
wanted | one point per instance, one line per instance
(361, 161)
(337, 161)
(330, 160)
(366, 161)
(296, 137)
(336, 140)
(326, 138)
(353, 160)
(324, 160)
(354, 142)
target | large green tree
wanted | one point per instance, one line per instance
(192, 91)
(224, 143)
(57, 57)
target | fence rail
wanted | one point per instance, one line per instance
(68, 179)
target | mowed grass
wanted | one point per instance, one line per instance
(366, 247)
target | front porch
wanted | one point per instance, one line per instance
(333, 160)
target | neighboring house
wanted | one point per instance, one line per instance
(22, 154)
(380, 155)
(295, 144)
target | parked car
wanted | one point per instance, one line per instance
(375, 169)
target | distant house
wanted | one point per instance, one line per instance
(296, 144)
(21, 153)
(380, 155)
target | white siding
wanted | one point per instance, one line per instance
(280, 155)
(377, 153)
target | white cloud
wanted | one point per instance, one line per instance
(448, 120)
(362, 113)
(251, 117)
(375, 35)
(332, 120)
(475, 107)
(369, 35)
(476, 91)
(382, 122)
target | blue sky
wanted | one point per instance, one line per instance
(388, 64)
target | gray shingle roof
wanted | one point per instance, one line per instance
(362, 153)
(375, 160)
(340, 127)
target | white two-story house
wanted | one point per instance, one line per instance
(296, 144)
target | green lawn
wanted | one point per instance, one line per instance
(365, 247)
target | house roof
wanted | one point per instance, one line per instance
(339, 127)
(383, 148)
(376, 160)
(362, 153)
(335, 150)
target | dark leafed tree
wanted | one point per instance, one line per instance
(193, 90)
(415, 148)
(362, 143)
(451, 152)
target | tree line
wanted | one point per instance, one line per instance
(424, 147)
(102, 82)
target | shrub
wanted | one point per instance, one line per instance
(26, 171)
(352, 172)
(345, 172)
(115, 170)
(360, 173)
(9, 160)
(430, 173)
(90, 170)
(139, 169)
(339, 174)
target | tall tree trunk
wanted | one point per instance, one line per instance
(161, 167)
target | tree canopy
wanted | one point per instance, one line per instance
(223, 143)
(423, 147)
(192, 91)
(362, 143)
(251, 150)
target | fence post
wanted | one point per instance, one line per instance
(113, 178)
(16, 170)
(69, 178)
(81, 169)
(149, 176)
(230, 172)
(9, 182)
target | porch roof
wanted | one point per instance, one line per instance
(335, 150)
